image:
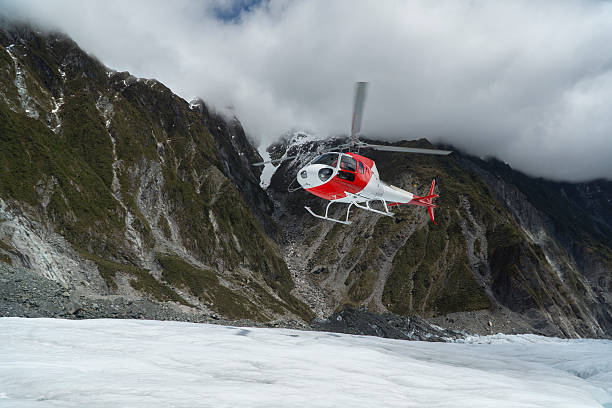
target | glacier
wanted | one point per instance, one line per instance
(138, 363)
(294, 139)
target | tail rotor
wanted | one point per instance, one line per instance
(427, 201)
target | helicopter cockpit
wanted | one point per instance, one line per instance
(328, 162)
(328, 159)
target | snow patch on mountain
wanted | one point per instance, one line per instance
(58, 103)
(268, 170)
(26, 101)
(293, 140)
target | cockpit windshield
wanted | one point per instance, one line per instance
(329, 159)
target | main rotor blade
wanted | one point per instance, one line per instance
(339, 147)
(273, 161)
(405, 149)
(330, 149)
(358, 102)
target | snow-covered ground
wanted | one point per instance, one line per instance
(131, 363)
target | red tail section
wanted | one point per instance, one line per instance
(426, 201)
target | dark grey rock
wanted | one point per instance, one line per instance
(73, 308)
(360, 321)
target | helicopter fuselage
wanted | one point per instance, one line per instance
(349, 178)
(353, 179)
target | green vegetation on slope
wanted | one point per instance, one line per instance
(259, 254)
(140, 279)
(84, 130)
(431, 275)
(32, 157)
(164, 152)
(205, 285)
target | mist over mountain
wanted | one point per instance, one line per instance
(526, 82)
(118, 198)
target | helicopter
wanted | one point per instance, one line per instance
(353, 179)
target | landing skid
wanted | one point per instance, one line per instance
(325, 217)
(368, 208)
(348, 211)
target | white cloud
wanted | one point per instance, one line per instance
(529, 82)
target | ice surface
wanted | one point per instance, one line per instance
(130, 363)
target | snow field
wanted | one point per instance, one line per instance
(133, 363)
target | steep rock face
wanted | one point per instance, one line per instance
(116, 188)
(113, 185)
(493, 257)
(236, 155)
(571, 225)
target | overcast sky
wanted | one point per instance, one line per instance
(527, 81)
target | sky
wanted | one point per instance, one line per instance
(527, 82)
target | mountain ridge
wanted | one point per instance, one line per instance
(123, 192)
(110, 172)
(521, 267)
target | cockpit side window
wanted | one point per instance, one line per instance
(348, 163)
(346, 175)
(361, 167)
(328, 159)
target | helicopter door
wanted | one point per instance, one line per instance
(346, 175)
(348, 168)
(348, 163)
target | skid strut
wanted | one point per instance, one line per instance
(325, 217)
(348, 211)
(367, 207)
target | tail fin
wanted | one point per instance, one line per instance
(430, 207)
(427, 201)
(431, 215)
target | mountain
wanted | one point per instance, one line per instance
(511, 253)
(114, 186)
(120, 199)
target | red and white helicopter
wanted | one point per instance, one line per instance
(347, 177)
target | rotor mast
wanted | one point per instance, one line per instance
(355, 143)
(358, 103)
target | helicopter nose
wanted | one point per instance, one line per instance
(314, 175)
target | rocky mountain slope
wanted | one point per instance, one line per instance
(120, 199)
(511, 253)
(114, 186)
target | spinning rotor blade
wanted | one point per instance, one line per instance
(330, 149)
(273, 161)
(404, 149)
(335, 148)
(358, 102)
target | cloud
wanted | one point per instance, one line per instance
(528, 82)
